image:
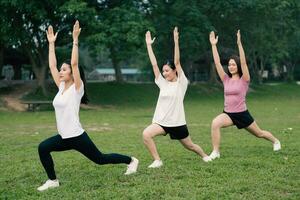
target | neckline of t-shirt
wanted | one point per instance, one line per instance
(177, 80)
(172, 82)
(64, 92)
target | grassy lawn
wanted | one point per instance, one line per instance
(248, 168)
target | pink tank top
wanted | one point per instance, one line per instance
(235, 94)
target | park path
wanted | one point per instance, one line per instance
(12, 100)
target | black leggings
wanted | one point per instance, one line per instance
(81, 143)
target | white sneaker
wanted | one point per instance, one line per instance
(132, 167)
(214, 155)
(49, 184)
(156, 164)
(276, 146)
(206, 159)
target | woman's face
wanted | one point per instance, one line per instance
(169, 73)
(65, 73)
(232, 67)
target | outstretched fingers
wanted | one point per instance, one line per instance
(238, 34)
(149, 40)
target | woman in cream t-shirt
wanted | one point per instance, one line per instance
(169, 116)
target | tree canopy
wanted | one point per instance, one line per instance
(270, 31)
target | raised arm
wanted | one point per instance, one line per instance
(213, 41)
(149, 42)
(52, 58)
(244, 66)
(74, 58)
(176, 51)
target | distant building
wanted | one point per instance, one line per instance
(108, 74)
(8, 72)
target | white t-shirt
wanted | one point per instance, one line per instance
(169, 110)
(66, 107)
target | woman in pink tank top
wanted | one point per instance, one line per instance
(236, 84)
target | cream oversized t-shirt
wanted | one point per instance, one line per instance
(169, 110)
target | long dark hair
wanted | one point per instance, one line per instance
(238, 64)
(84, 99)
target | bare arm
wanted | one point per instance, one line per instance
(149, 42)
(52, 57)
(244, 66)
(74, 57)
(176, 51)
(214, 41)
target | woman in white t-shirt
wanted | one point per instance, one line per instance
(169, 116)
(71, 83)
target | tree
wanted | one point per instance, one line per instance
(266, 28)
(192, 24)
(120, 28)
(6, 31)
(29, 21)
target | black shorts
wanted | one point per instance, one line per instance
(241, 119)
(176, 132)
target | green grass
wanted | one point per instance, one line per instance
(248, 168)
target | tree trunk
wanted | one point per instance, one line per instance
(290, 72)
(118, 73)
(212, 74)
(255, 68)
(116, 65)
(17, 72)
(1, 59)
(260, 71)
(39, 67)
(40, 73)
(189, 72)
